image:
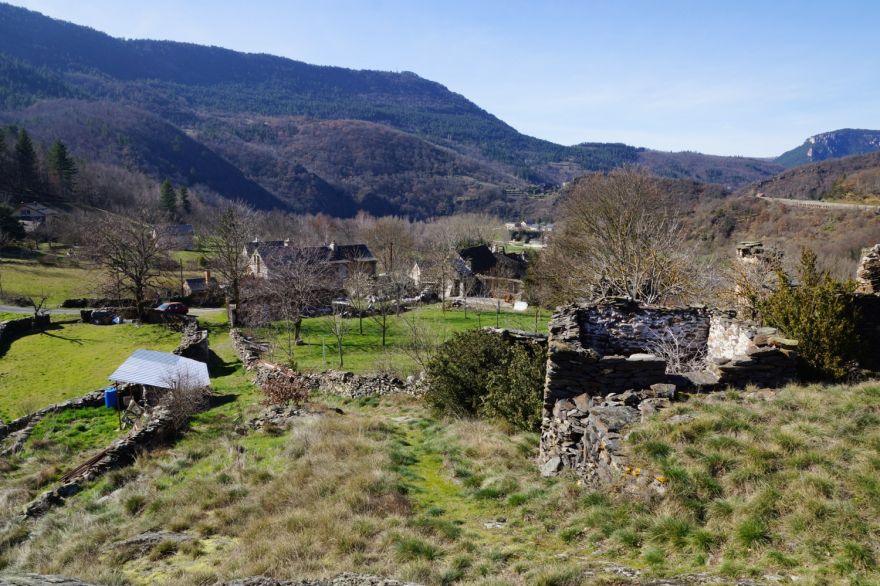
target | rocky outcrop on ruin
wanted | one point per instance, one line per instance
(585, 433)
(868, 273)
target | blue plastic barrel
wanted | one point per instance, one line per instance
(111, 398)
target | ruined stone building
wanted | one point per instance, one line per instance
(610, 364)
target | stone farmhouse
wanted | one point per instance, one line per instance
(476, 271)
(340, 261)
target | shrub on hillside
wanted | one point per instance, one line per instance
(819, 313)
(475, 373)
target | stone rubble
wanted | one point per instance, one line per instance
(333, 382)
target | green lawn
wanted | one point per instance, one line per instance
(29, 278)
(71, 360)
(365, 353)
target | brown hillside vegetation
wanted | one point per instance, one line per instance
(837, 236)
(818, 181)
(385, 170)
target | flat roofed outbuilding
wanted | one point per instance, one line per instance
(162, 370)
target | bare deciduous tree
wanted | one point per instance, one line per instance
(231, 227)
(296, 282)
(359, 285)
(129, 252)
(337, 326)
(391, 240)
(620, 236)
(421, 343)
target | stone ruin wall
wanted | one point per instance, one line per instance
(867, 302)
(602, 377)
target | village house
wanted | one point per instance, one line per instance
(33, 215)
(476, 271)
(200, 285)
(340, 260)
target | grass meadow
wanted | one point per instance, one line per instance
(68, 360)
(364, 352)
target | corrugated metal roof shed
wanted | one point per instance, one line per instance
(161, 369)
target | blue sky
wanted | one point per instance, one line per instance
(733, 78)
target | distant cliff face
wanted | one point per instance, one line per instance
(832, 145)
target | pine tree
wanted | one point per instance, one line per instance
(167, 197)
(62, 168)
(25, 162)
(183, 196)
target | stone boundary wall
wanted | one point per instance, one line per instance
(86, 302)
(194, 342)
(13, 329)
(94, 399)
(334, 382)
(122, 452)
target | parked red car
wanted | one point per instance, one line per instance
(174, 307)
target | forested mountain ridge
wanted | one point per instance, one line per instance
(461, 157)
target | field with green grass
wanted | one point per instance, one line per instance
(756, 487)
(781, 485)
(69, 360)
(30, 278)
(51, 273)
(363, 352)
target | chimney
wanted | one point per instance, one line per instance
(332, 245)
(207, 278)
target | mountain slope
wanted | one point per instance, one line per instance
(132, 138)
(852, 178)
(728, 171)
(417, 147)
(832, 145)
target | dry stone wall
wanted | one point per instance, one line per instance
(741, 354)
(334, 382)
(194, 342)
(11, 330)
(121, 452)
